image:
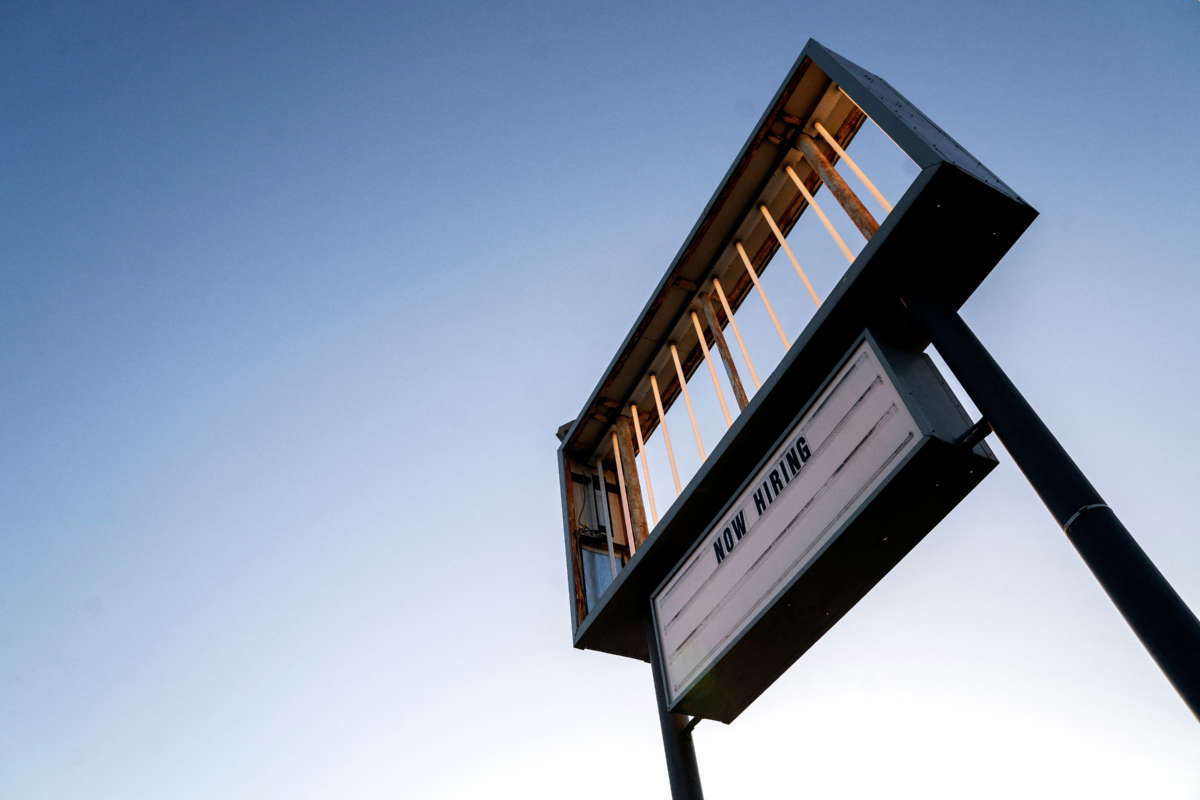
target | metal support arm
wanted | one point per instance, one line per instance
(1159, 617)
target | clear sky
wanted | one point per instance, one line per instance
(296, 295)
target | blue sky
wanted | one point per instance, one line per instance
(297, 295)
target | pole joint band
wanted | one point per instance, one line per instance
(1067, 525)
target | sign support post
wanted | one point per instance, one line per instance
(682, 769)
(1159, 617)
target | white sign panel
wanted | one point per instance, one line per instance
(854, 435)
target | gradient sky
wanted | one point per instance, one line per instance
(296, 296)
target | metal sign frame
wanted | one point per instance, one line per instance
(950, 228)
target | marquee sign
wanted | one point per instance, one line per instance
(833, 462)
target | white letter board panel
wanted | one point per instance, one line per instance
(852, 438)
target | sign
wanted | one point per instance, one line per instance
(945, 232)
(853, 437)
(812, 493)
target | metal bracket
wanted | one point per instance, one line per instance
(975, 434)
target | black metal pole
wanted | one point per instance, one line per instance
(1163, 622)
(682, 769)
